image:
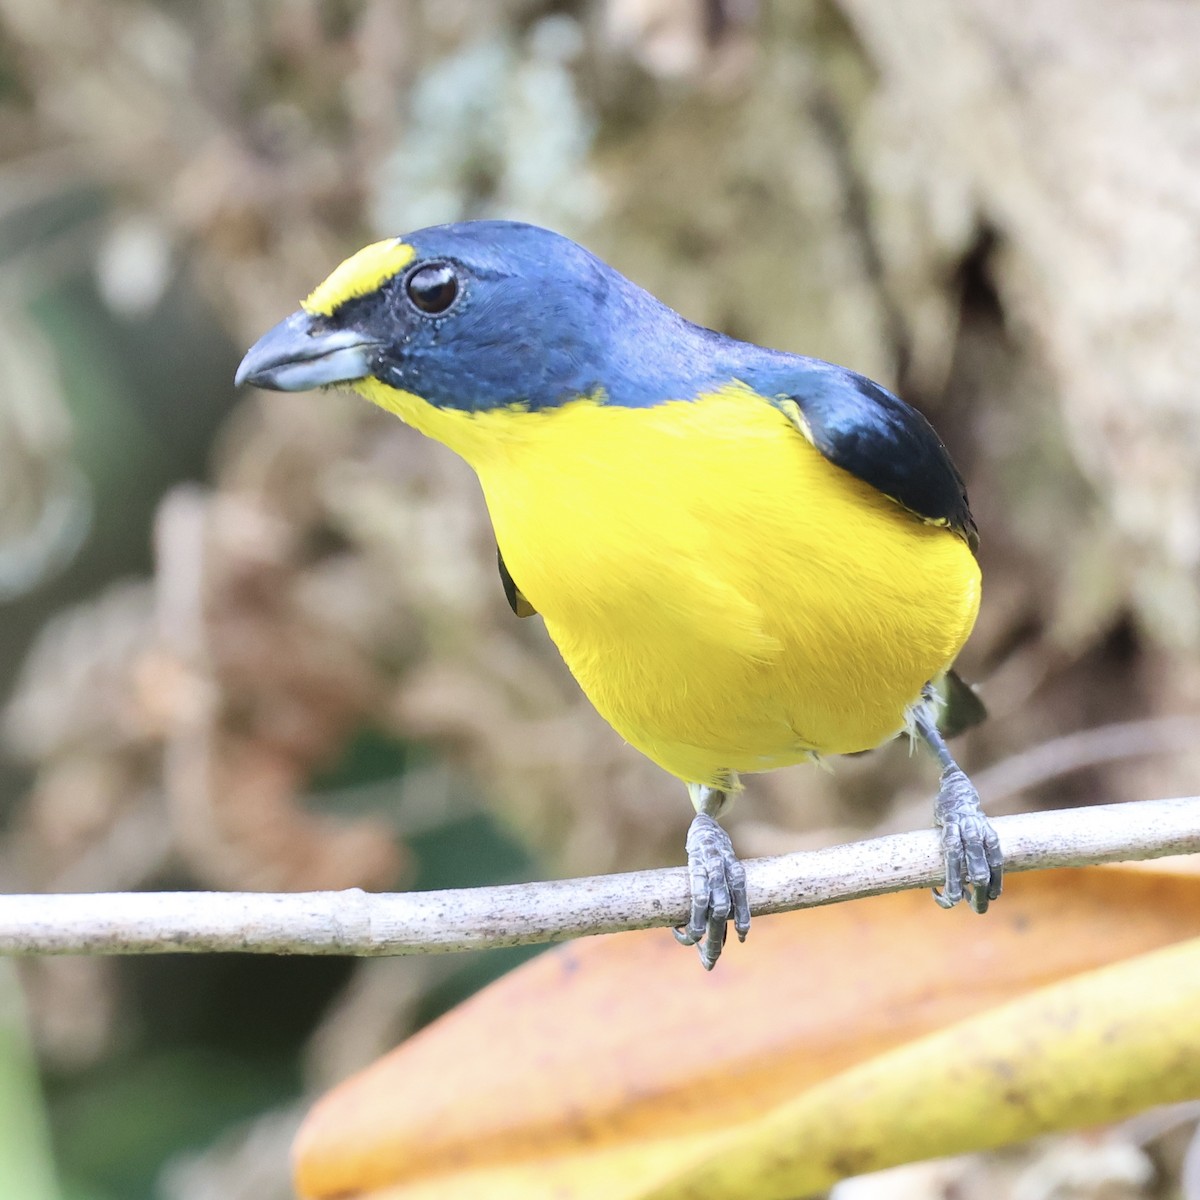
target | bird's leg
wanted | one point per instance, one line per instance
(969, 843)
(718, 879)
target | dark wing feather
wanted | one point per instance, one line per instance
(874, 435)
(961, 708)
(516, 600)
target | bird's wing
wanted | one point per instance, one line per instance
(874, 435)
(516, 599)
(961, 708)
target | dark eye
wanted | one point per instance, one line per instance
(432, 289)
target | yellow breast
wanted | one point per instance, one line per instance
(726, 597)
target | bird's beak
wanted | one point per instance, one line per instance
(296, 355)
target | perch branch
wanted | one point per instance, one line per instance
(357, 923)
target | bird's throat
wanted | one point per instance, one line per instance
(477, 437)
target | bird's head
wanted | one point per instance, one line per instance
(474, 317)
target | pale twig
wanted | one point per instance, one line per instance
(357, 923)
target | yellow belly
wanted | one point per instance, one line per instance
(726, 597)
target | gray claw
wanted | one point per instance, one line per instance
(718, 888)
(969, 845)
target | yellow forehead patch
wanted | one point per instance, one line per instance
(359, 275)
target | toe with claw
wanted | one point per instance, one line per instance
(718, 891)
(969, 845)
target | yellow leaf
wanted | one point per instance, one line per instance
(612, 1065)
(1089, 1050)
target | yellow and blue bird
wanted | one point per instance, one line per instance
(747, 558)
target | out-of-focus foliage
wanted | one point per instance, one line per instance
(26, 1167)
(313, 680)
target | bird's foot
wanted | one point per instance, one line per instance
(718, 885)
(969, 845)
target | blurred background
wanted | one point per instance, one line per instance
(256, 641)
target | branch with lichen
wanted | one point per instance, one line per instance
(364, 924)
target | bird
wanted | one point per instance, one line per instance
(747, 558)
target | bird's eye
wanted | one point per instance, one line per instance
(433, 289)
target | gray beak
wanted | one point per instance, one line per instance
(295, 356)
